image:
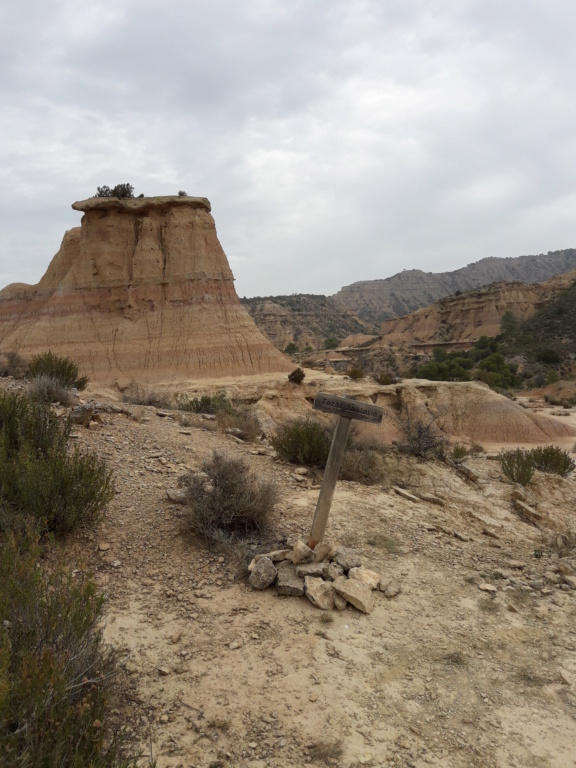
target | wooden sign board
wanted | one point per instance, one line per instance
(346, 409)
(350, 409)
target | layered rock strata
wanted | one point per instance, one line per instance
(141, 290)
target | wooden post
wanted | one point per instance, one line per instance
(346, 409)
(329, 481)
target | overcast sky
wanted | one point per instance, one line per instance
(338, 140)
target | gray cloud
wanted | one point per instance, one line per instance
(337, 141)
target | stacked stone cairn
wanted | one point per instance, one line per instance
(330, 576)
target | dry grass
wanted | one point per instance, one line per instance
(140, 395)
(46, 389)
(325, 751)
(228, 502)
(383, 541)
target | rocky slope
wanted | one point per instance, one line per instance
(142, 290)
(377, 300)
(463, 319)
(471, 665)
(303, 319)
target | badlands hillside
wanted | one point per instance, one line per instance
(463, 319)
(377, 300)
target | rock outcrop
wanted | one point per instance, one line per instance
(142, 290)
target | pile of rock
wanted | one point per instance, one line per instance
(330, 576)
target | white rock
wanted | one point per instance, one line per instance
(365, 576)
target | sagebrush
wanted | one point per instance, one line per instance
(138, 394)
(553, 459)
(517, 465)
(211, 404)
(41, 477)
(303, 441)
(49, 390)
(55, 672)
(61, 369)
(227, 501)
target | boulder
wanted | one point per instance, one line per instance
(311, 569)
(301, 553)
(355, 593)
(346, 559)
(365, 576)
(263, 574)
(288, 582)
(320, 593)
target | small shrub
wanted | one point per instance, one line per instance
(182, 193)
(297, 376)
(49, 390)
(553, 460)
(326, 752)
(40, 478)
(290, 348)
(459, 451)
(14, 366)
(212, 404)
(139, 395)
(60, 369)
(231, 502)
(303, 442)
(420, 438)
(383, 378)
(355, 373)
(517, 465)
(54, 668)
(331, 343)
(120, 190)
(242, 423)
(362, 465)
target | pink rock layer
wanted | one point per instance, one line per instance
(142, 290)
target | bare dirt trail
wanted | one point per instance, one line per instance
(444, 674)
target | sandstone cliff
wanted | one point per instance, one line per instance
(377, 300)
(463, 319)
(141, 290)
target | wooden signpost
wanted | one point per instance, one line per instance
(346, 409)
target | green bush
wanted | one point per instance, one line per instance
(383, 378)
(459, 451)
(61, 369)
(303, 442)
(331, 343)
(552, 459)
(297, 376)
(212, 404)
(228, 502)
(290, 348)
(355, 372)
(54, 670)
(517, 465)
(120, 190)
(40, 477)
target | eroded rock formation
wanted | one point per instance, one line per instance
(463, 319)
(142, 290)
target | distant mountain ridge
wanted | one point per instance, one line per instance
(374, 301)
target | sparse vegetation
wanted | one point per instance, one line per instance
(227, 501)
(303, 442)
(54, 670)
(553, 459)
(212, 404)
(483, 363)
(331, 343)
(49, 390)
(61, 369)
(137, 394)
(459, 451)
(517, 465)
(328, 752)
(41, 478)
(419, 438)
(290, 348)
(383, 541)
(297, 376)
(241, 423)
(14, 365)
(384, 378)
(120, 191)
(355, 373)
(362, 464)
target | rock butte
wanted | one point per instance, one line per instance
(141, 290)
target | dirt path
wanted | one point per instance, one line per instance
(442, 675)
